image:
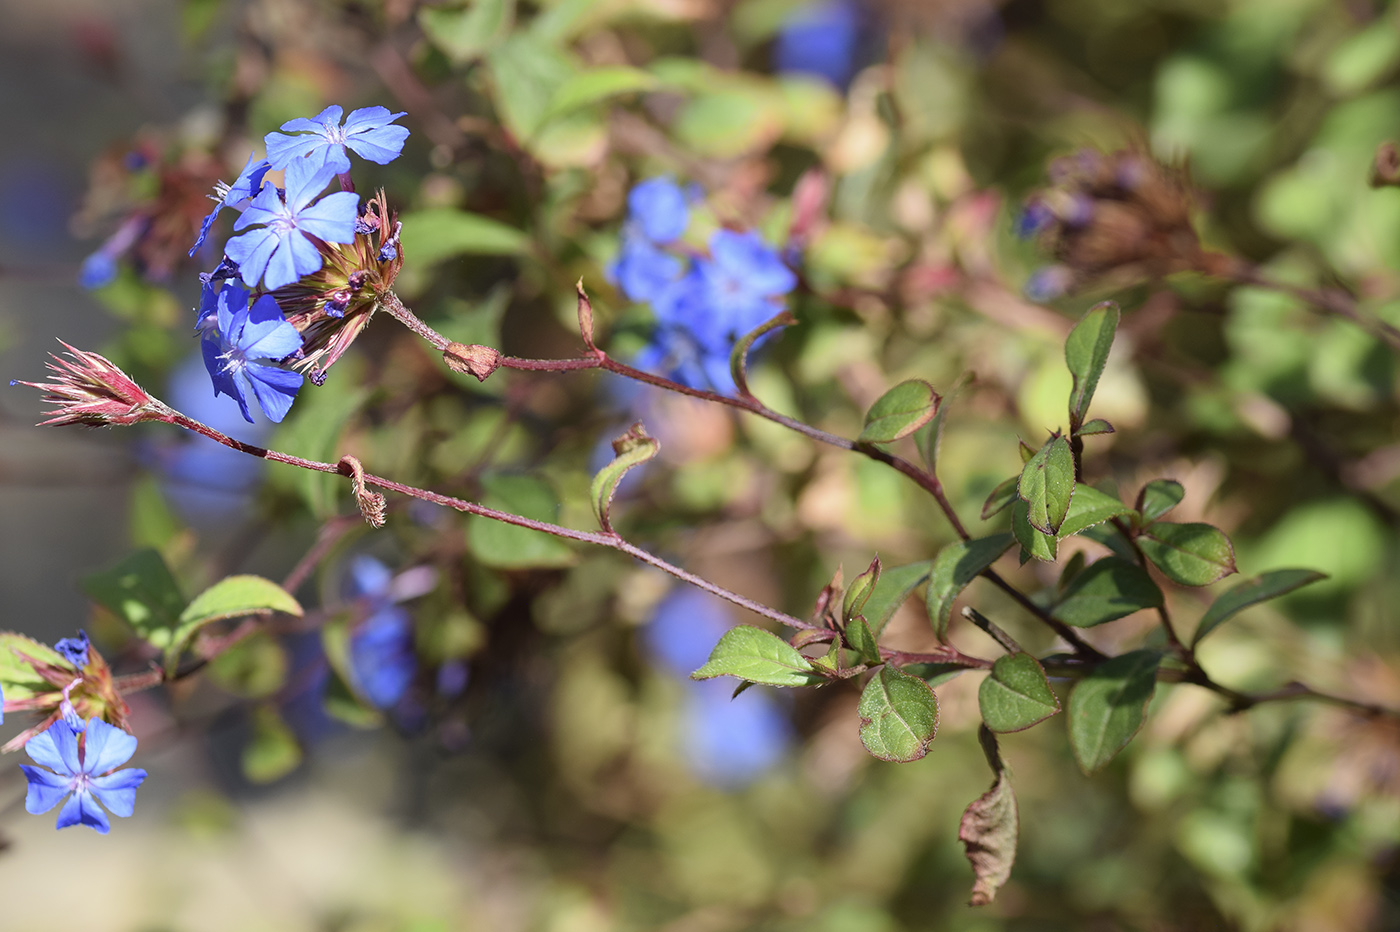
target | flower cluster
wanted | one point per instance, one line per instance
(306, 269)
(703, 302)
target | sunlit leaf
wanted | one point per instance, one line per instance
(1086, 353)
(898, 716)
(899, 412)
(1189, 554)
(758, 656)
(1016, 695)
(1047, 484)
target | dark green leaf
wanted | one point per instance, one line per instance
(140, 591)
(1159, 497)
(1189, 554)
(1108, 706)
(1004, 494)
(631, 449)
(1016, 695)
(1252, 591)
(899, 412)
(272, 751)
(1047, 484)
(957, 565)
(464, 35)
(890, 592)
(1109, 536)
(439, 233)
(231, 597)
(860, 639)
(1089, 507)
(1096, 426)
(989, 829)
(898, 716)
(1033, 542)
(1110, 588)
(506, 546)
(858, 592)
(1086, 353)
(758, 656)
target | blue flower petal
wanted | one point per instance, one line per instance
(275, 389)
(117, 791)
(659, 206)
(106, 747)
(46, 789)
(82, 809)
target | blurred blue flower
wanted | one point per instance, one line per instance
(658, 207)
(74, 650)
(820, 39)
(1036, 216)
(240, 351)
(322, 140)
(1048, 283)
(87, 771)
(644, 271)
(246, 185)
(382, 657)
(281, 249)
(732, 740)
(742, 281)
(686, 626)
(100, 268)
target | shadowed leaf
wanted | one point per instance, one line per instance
(1260, 588)
(898, 716)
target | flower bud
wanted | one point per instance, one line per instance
(90, 390)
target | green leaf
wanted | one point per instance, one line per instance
(758, 656)
(1004, 494)
(934, 674)
(439, 233)
(1108, 706)
(1016, 695)
(1159, 497)
(899, 412)
(1033, 542)
(17, 678)
(891, 590)
(465, 35)
(1086, 353)
(858, 592)
(860, 639)
(989, 829)
(313, 431)
(1111, 537)
(598, 84)
(527, 73)
(739, 356)
(631, 449)
(506, 546)
(1252, 591)
(272, 751)
(957, 565)
(140, 591)
(340, 700)
(255, 667)
(1189, 554)
(1096, 426)
(1089, 507)
(1109, 588)
(1047, 485)
(898, 716)
(231, 597)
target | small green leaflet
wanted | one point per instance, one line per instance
(957, 565)
(231, 597)
(862, 641)
(1033, 543)
(140, 591)
(1108, 589)
(1086, 354)
(631, 449)
(1097, 426)
(1159, 497)
(1252, 591)
(758, 656)
(17, 678)
(1108, 706)
(272, 751)
(1188, 554)
(891, 590)
(1047, 484)
(1016, 695)
(1089, 507)
(859, 591)
(899, 412)
(898, 716)
(1004, 494)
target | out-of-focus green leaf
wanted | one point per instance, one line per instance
(140, 591)
(465, 35)
(1086, 353)
(272, 750)
(596, 85)
(231, 597)
(957, 565)
(898, 716)
(899, 412)
(729, 120)
(1189, 554)
(1033, 542)
(891, 590)
(1108, 706)
(17, 678)
(758, 656)
(313, 431)
(1047, 485)
(1016, 695)
(1252, 591)
(341, 700)
(527, 72)
(1159, 497)
(1109, 588)
(441, 232)
(990, 828)
(1363, 58)
(1089, 507)
(633, 448)
(255, 667)
(506, 546)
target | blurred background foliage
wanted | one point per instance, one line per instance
(550, 767)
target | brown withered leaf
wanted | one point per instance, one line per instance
(989, 828)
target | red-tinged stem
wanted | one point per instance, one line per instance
(612, 541)
(900, 658)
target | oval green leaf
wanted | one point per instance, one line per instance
(1047, 485)
(1260, 588)
(231, 597)
(1109, 705)
(1004, 494)
(1016, 695)
(957, 565)
(442, 232)
(891, 590)
(899, 412)
(1089, 507)
(1159, 497)
(898, 716)
(1086, 353)
(140, 591)
(1108, 589)
(1097, 426)
(758, 656)
(506, 546)
(1188, 554)
(1033, 543)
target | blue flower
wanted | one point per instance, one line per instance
(244, 186)
(732, 740)
(97, 270)
(323, 141)
(240, 351)
(658, 207)
(644, 271)
(74, 650)
(820, 39)
(88, 771)
(382, 657)
(685, 628)
(282, 248)
(1036, 216)
(1048, 283)
(742, 281)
